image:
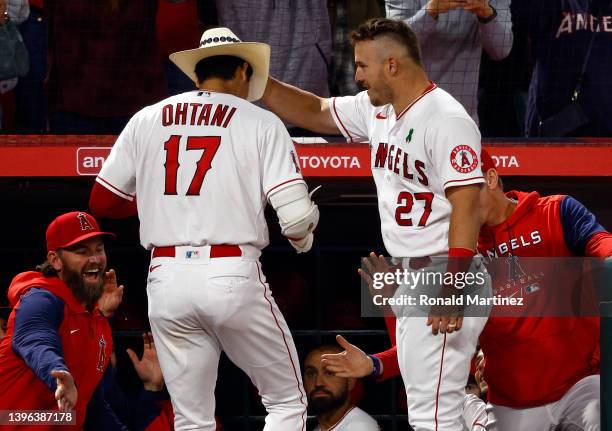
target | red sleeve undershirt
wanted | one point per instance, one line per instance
(389, 357)
(105, 204)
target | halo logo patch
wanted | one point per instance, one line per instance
(464, 159)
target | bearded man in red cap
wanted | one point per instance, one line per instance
(58, 341)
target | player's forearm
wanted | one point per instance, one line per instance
(497, 36)
(464, 220)
(299, 107)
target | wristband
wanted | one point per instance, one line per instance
(460, 252)
(376, 369)
(489, 18)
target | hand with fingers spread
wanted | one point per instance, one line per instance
(147, 367)
(374, 264)
(112, 296)
(66, 391)
(353, 362)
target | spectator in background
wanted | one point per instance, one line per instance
(571, 42)
(503, 86)
(452, 34)
(329, 396)
(346, 15)
(58, 337)
(15, 11)
(177, 27)
(298, 32)
(105, 63)
(31, 93)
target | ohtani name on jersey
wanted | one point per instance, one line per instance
(197, 114)
(513, 243)
(397, 161)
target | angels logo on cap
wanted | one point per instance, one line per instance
(85, 224)
(71, 228)
(464, 159)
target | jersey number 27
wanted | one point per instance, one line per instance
(209, 145)
(405, 201)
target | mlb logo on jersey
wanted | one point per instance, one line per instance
(192, 254)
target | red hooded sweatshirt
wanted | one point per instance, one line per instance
(49, 329)
(533, 361)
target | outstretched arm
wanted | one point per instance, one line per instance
(300, 107)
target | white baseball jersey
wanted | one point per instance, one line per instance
(201, 166)
(354, 420)
(475, 414)
(416, 154)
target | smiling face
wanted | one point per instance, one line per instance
(325, 391)
(82, 267)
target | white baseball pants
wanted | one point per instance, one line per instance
(435, 368)
(577, 410)
(198, 307)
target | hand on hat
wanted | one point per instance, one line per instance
(112, 296)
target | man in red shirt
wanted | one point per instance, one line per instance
(58, 341)
(560, 353)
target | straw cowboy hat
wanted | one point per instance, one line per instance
(221, 41)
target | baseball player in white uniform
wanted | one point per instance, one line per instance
(202, 165)
(329, 396)
(425, 163)
(354, 419)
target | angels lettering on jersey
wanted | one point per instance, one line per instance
(396, 160)
(511, 277)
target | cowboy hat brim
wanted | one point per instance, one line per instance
(254, 53)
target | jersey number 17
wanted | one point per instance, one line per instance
(209, 145)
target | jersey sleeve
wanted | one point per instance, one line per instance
(36, 338)
(579, 225)
(455, 153)
(278, 159)
(118, 173)
(352, 115)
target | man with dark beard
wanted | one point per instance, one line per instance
(58, 338)
(329, 397)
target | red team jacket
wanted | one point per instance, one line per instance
(533, 361)
(59, 334)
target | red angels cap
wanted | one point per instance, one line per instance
(487, 161)
(70, 228)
